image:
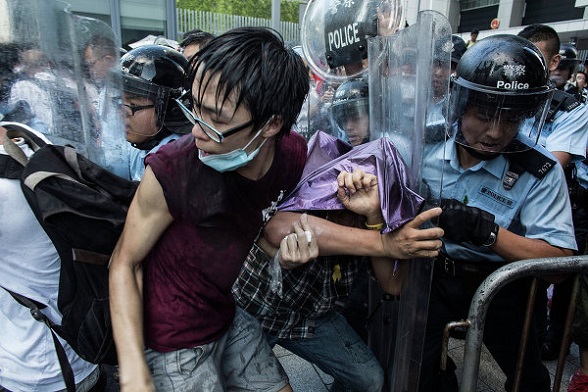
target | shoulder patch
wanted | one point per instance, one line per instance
(561, 101)
(532, 161)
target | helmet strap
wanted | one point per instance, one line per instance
(149, 144)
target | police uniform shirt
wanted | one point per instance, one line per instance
(534, 208)
(137, 157)
(582, 174)
(568, 132)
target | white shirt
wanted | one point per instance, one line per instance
(29, 265)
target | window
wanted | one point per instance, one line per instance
(470, 4)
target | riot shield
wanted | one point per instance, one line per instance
(334, 46)
(334, 34)
(57, 77)
(408, 87)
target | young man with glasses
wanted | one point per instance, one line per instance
(153, 77)
(197, 212)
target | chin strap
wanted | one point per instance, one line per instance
(154, 141)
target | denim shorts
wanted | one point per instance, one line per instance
(241, 360)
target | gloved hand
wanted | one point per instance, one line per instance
(466, 224)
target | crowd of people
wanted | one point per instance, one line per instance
(267, 203)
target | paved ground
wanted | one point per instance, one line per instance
(305, 377)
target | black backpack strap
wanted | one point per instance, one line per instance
(531, 161)
(9, 168)
(561, 101)
(35, 308)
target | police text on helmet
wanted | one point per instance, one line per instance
(514, 85)
(343, 36)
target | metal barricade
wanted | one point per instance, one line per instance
(488, 290)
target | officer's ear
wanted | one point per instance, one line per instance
(554, 62)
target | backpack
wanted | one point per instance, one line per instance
(82, 207)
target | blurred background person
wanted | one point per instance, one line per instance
(192, 41)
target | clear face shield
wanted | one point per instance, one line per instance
(144, 106)
(51, 80)
(351, 119)
(490, 123)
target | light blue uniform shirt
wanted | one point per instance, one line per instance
(137, 157)
(582, 174)
(534, 208)
(568, 133)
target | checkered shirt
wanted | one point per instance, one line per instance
(308, 292)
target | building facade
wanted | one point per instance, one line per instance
(568, 17)
(131, 19)
(134, 19)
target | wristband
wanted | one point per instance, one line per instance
(377, 227)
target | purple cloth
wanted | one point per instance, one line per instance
(328, 156)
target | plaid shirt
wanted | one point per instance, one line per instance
(308, 292)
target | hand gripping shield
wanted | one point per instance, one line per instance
(409, 94)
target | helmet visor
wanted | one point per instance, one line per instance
(139, 93)
(352, 118)
(497, 122)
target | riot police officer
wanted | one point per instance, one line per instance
(153, 76)
(495, 180)
(350, 111)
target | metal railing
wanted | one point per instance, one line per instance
(488, 290)
(219, 23)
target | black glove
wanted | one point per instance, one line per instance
(462, 223)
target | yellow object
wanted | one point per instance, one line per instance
(336, 273)
(378, 226)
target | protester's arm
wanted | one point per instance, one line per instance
(389, 274)
(147, 219)
(408, 241)
(358, 192)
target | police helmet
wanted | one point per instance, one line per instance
(350, 101)
(569, 57)
(158, 73)
(506, 77)
(334, 34)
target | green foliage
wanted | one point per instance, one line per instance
(253, 8)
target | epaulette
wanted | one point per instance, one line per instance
(10, 168)
(531, 161)
(561, 101)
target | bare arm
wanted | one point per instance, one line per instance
(389, 274)
(513, 247)
(147, 219)
(332, 238)
(356, 193)
(563, 157)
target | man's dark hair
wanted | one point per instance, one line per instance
(267, 77)
(196, 36)
(540, 32)
(475, 31)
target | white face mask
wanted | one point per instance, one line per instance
(231, 160)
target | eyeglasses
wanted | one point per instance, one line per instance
(137, 108)
(208, 129)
